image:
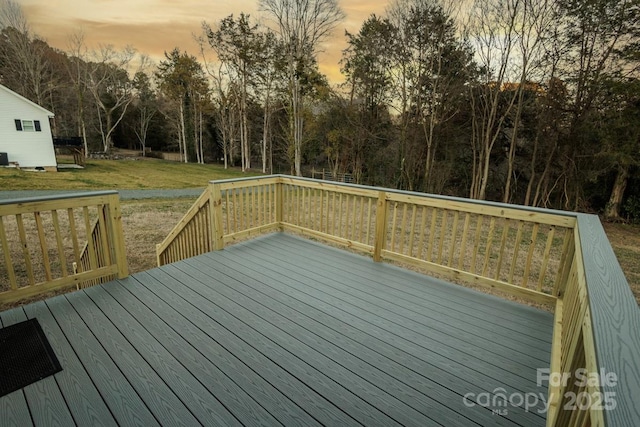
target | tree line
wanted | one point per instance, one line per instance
(534, 102)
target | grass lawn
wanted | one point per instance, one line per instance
(128, 174)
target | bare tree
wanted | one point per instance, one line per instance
(147, 106)
(225, 101)
(302, 26)
(76, 67)
(535, 23)
(27, 69)
(112, 90)
(492, 28)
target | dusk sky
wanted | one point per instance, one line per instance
(155, 26)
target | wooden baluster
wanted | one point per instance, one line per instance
(545, 262)
(309, 213)
(443, 231)
(312, 212)
(340, 217)
(454, 235)
(43, 246)
(215, 203)
(235, 210)
(243, 206)
(423, 226)
(412, 229)
(487, 252)
(369, 216)
(432, 232)
(322, 211)
(463, 244)
(568, 250)
(476, 244)
(347, 217)
(393, 227)
(381, 226)
(333, 213)
(7, 256)
(103, 214)
(516, 250)
(403, 228)
(253, 208)
(61, 253)
(527, 269)
(93, 261)
(298, 205)
(503, 244)
(74, 237)
(25, 249)
(230, 209)
(361, 231)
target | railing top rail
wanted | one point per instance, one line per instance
(615, 317)
(246, 178)
(412, 193)
(55, 197)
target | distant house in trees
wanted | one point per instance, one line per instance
(25, 133)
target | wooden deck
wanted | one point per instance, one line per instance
(282, 330)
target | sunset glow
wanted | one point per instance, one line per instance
(156, 26)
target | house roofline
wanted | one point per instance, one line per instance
(17, 95)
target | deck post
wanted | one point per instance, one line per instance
(215, 204)
(381, 226)
(117, 234)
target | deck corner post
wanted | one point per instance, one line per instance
(117, 234)
(215, 203)
(381, 226)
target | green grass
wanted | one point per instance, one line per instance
(119, 174)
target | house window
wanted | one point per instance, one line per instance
(28, 125)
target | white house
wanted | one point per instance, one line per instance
(25, 133)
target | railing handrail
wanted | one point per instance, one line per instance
(55, 197)
(615, 319)
(377, 189)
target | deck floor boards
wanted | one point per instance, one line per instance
(414, 316)
(84, 401)
(435, 356)
(280, 330)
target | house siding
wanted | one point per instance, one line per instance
(28, 149)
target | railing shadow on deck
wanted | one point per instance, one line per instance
(539, 255)
(52, 243)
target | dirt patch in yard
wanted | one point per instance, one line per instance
(625, 240)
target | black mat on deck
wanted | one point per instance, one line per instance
(25, 356)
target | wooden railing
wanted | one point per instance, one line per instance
(551, 257)
(573, 349)
(227, 211)
(52, 243)
(96, 252)
(191, 236)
